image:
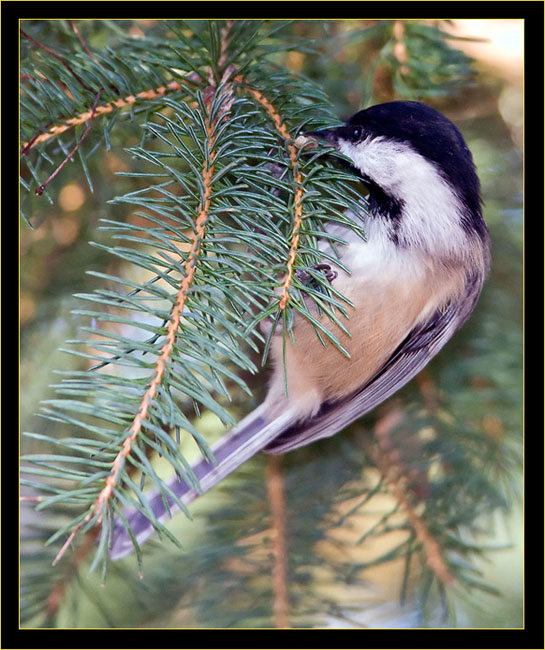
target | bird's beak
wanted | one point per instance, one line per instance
(324, 134)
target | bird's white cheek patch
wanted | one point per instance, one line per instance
(431, 210)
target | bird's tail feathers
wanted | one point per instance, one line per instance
(243, 441)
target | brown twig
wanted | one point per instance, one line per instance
(298, 179)
(151, 93)
(58, 592)
(173, 326)
(58, 57)
(393, 475)
(224, 43)
(42, 187)
(80, 39)
(28, 146)
(275, 489)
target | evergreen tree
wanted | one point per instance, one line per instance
(219, 208)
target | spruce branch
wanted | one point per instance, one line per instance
(103, 109)
(203, 147)
(228, 203)
(103, 499)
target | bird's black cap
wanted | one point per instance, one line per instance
(430, 134)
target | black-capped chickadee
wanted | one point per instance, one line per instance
(413, 283)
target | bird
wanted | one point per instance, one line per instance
(412, 282)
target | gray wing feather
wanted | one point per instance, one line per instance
(236, 447)
(423, 343)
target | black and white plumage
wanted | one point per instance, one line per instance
(413, 283)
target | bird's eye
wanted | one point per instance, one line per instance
(356, 132)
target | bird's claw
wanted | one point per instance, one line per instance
(329, 273)
(304, 277)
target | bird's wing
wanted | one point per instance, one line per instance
(410, 357)
(255, 432)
